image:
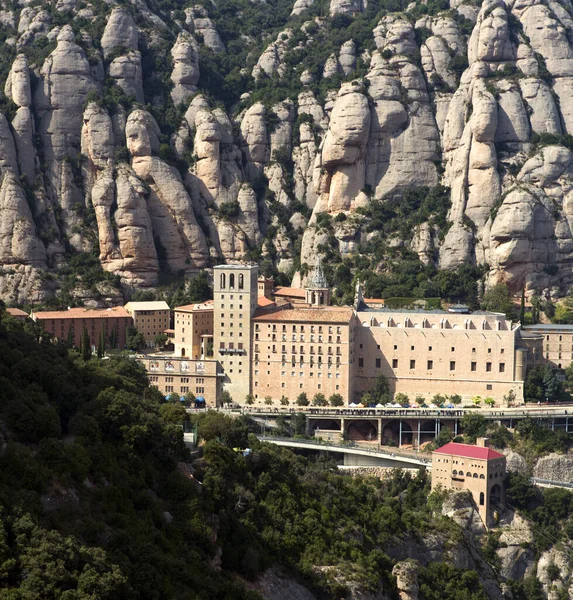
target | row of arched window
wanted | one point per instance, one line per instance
(223, 281)
(468, 474)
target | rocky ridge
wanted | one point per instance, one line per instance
(112, 139)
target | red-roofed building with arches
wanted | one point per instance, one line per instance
(478, 469)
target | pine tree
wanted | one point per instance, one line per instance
(522, 308)
(86, 347)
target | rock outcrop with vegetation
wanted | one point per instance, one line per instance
(407, 143)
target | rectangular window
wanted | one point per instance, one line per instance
(430, 365)
(489, 387)
(412, 363)
(474, 366)
(452, 365)
(502, 367)
(378, 363)
(360, 363)
(488, 367)
(394, 363)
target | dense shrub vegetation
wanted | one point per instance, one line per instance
(94, 505)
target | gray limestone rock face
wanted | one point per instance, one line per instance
(406, 573)
(185, 74)
(198, 21)
(17, 86)
(554, 467)
(19, 242)
(127, 73)
(347, 7)
(120, 32)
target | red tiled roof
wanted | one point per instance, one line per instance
(469, 451)
(327, 314)
(264, 301)
(16, 312)
(290, 292)
(82, 313)
(374, 300)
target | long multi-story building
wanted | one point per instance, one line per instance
(70, 325)
(423, 353)
(268, 346)
(555, 343)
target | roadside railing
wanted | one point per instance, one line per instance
(345, 446)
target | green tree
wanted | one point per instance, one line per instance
(302, 399)
(551, 387)
(161, 340)
(101, 345)
(509, 398)
(490, 402)
(522, 307)
(189, 399)
(134, 340)
(198, 289)
(319, 400)
(336, 400)
(498, 299)
(268, 400)
(380, 392)
(473, 425)
(564, 311)
(439, 399)
(226, 397)
(298, 423)
(401, 398)
(249, 399)
(533, 389)
(284, 401)
(86, 345)
(455, 399)
(173, 413)
(173, 397)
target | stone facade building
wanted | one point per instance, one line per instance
(193, 330)
(235, 293)
(477, 469)
(70, 324)
(438, 352)
(556, 343)
(269, 345)
(180, 375)
(150, 318)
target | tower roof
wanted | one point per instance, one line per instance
(317, 281)
(469, 451)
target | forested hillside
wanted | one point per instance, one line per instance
(420, 146)
(98, 502)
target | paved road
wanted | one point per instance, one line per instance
(411, 458)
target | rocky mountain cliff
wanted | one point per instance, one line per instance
(164, 137)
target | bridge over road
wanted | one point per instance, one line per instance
(405, 426)
(357, 456)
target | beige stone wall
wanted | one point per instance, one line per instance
(557, 345)
(151, 323)
(478, 476)
(325, 350)
(189, 326)
(180, 375)
(439, 357)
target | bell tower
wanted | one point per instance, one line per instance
(317, 291)
(235, 302)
